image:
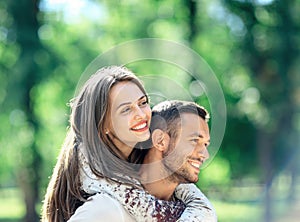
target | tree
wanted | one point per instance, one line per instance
(268, 49)
(25, 74)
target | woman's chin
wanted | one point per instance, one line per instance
(143, 137)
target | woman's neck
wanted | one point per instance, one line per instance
(124, 148)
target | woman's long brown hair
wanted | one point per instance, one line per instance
(87, 122)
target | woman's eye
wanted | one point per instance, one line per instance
(144, 103)
(125, 110)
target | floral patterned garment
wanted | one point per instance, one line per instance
(191, 204)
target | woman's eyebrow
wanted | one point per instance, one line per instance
(142, 97)
(128, 103)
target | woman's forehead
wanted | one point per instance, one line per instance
(124, 92)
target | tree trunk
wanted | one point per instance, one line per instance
(264, 146)
(25, 76)
(192, 9)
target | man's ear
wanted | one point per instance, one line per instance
(160, 140)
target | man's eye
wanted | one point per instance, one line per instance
(194, 140)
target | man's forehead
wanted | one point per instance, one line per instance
(187, 118)
(193, 122)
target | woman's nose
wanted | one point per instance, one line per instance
(139, 112)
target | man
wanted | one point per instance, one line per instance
(179, 140)
(180, 137)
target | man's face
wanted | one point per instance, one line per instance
(190, 150)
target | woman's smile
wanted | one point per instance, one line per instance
(130, 115)
(140, 127)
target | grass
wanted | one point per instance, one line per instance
(235, 209)
(12, 208)
(236, 212)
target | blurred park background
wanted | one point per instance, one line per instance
(251, 45)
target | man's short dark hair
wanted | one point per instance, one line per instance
(166, 115)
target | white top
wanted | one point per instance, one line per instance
(101, 207)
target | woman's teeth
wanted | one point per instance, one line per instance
(140, 126)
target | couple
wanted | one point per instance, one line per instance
(106, 171)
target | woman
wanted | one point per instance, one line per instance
(110, 115)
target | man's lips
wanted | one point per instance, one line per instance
(141, 126)
(196, 163)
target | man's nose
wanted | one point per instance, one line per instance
(202, 151)
(206, 153)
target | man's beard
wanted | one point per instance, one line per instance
(175, 164)
(184, 176)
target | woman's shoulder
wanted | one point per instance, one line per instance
(101, 207)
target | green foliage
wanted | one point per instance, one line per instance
(252, 48)
(230, 212)
(217, 173)
(11, 205)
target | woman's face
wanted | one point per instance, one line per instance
(130, 116)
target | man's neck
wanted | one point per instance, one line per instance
(155, 179)
(162, 189)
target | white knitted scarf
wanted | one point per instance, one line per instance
(143, 207)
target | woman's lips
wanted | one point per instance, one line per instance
(141, 126)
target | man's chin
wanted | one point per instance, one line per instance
(190, 180)
(194, 180)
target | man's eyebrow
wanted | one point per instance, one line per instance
(198, 135)
(128, 103)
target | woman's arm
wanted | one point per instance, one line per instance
(145, 207)
(198, 207)
(140, 204)
(100, 207)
